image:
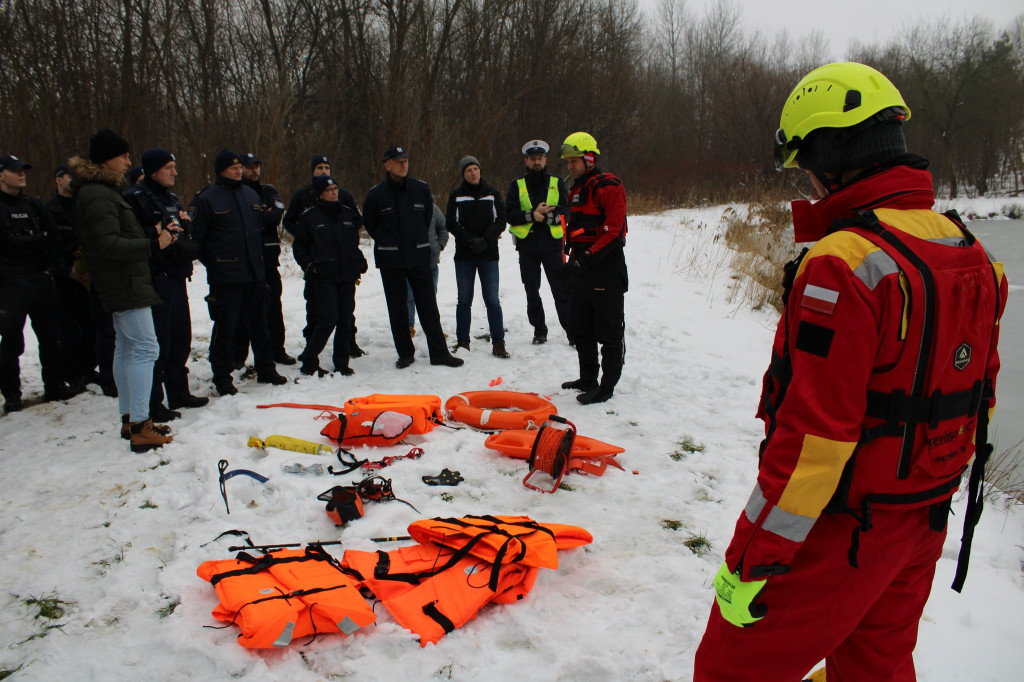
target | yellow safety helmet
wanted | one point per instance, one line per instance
(846, 97)
(579, 144)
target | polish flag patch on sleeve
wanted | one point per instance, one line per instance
(820, 299)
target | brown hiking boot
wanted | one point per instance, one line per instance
(162, 429)
(498, 350)
(144, 437)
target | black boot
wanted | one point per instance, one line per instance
(581, 384)
(270, 376)
(186, 400)
(597, 395)
(225, 385)
(282, 358)
(160, 414)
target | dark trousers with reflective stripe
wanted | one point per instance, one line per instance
(397, 282)
(172, 322)
(530, 263)
(862, 621)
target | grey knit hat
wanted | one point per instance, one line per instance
(466, 162)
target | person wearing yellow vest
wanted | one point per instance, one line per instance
(535, 205)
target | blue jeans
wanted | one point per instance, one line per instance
(465, 275)
(135, 351)
(412, 303)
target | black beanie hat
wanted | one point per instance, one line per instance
(826, 151)
(316, 161)
(322, 182)
(105, 145)
(154, 159)
(225, 159)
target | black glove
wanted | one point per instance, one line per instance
(478, 244)
(568, 272)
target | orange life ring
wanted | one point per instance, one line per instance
(499, 410)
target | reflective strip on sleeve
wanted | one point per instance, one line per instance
(755, 504)
(874, 268)
(793, 527)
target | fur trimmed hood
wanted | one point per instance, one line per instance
(85, 171)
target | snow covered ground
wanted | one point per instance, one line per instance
(117, 537)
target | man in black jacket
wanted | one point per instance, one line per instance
(157, 208)
(536, 204)
(397, 215)
(304, 198)
(326, 247)
(227, 219)
(26, 286)
(476, 218)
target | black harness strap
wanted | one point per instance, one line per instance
(438, 617)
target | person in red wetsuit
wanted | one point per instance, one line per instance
(596, 269)
(880, 386)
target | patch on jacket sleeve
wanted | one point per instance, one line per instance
(814, 339)
(820, 299)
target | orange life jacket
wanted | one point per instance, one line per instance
(460, 566)
(285, 594)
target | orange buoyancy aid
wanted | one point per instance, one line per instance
(432, 602)
(460, 566)
(281, 595)
(425, 410)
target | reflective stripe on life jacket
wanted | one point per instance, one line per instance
(526, 204)
(285, 594)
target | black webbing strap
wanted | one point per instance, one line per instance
(262, 563)
(975, 497)
(899, 408)
(438, 617)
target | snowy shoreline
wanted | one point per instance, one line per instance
(119, 536)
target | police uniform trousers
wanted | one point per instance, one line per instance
(530, 263)
(597, 316)
(862, 621)
(397, 282)
(77, 330)
(173, 324)
(28, 295)
(228, 304)
(334, 304)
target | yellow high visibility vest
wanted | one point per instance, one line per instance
(522, 231)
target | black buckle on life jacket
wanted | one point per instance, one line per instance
(383, 567)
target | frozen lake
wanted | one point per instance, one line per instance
(1005, 240)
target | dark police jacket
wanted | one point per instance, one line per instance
(26, 230)
(273, 210)
(326, 243)
(155, 205)
(65, 243)
(227, 219)
(397, 216)
(301, 200)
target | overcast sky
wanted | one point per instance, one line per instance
(870, 21)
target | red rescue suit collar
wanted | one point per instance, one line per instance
(903, 187)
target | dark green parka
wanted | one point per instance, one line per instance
(115, 248)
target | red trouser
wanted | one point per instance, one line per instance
(863, 621)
